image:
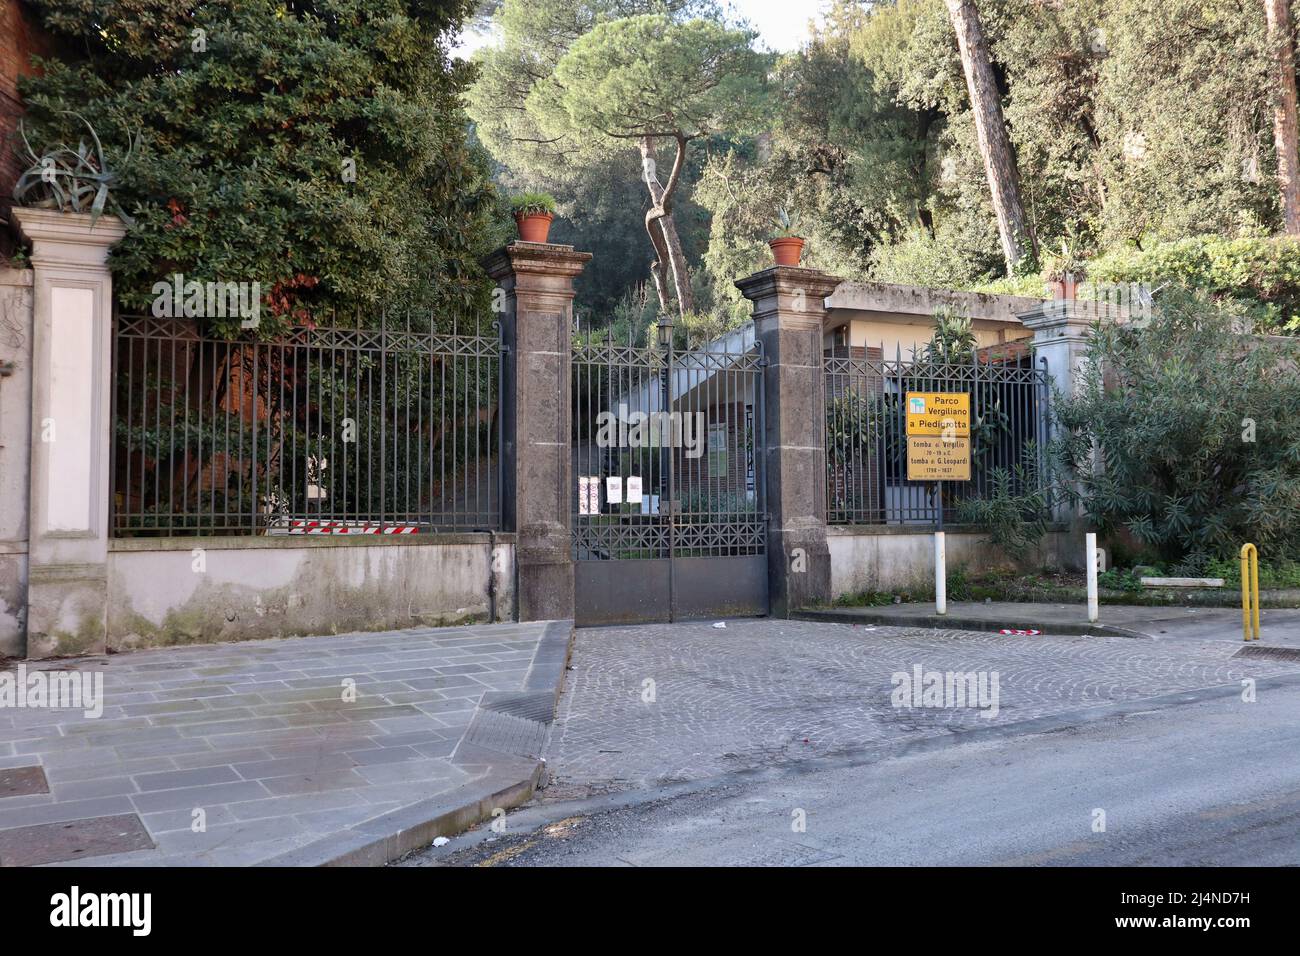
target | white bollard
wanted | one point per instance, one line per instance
(1092, 578)
(940, 575)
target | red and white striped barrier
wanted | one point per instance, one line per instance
(339, 526)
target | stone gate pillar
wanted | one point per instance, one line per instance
(1060, 345)
(71, 430)
(536, 283)
(788, 314)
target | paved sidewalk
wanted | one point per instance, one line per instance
(1278, 627)
(658, 704)
(266, 745)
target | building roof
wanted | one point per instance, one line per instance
(886, 301)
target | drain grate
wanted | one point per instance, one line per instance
(526, 705)
(73, 840)
(1272, 653)
(22, 782)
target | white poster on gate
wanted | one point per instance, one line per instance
(589, 495)
(634, 490)
(614, 489)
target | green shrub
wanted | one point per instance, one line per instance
(320, 150)
(1017, 513)
(1190, 442)
(1272, 574)
(1117, 580)
(1261, 270)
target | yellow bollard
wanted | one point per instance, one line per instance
(1249, 592)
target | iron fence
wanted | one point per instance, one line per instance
(347, 428)
(866, 443)
(678, 428)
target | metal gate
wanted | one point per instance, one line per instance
(669, 510)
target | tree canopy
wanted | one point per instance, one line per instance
(1133, 123)
(318, 148)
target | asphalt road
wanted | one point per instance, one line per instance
(1195, 778)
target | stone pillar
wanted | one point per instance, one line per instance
(1060, 328)
(788, 314)
(71, 430)
(537, 282)
(15, 449)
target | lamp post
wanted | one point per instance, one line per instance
(668, 501)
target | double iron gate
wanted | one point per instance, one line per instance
(669, 510)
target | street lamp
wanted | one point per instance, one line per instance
(665, 331)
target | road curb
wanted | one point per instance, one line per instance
(936, 621)
(505, 736)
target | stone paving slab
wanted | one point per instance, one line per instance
(281, 747)
(659, 704)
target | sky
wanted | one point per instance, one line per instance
(782, 24)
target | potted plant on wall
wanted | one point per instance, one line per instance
(1062, 273)
(533, 214)
(787, 244)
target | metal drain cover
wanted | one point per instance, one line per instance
(22, 781)
(73, 840)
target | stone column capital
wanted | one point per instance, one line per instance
(528, 263)
(1065, 319)
(793, 295)
(67, 239)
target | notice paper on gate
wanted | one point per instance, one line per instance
(589, 495)
(614, 489)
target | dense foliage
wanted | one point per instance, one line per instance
(1183, 433)
(1136, 124)
(317, 147)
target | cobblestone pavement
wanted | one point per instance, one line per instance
(258, 735)
(765, 691)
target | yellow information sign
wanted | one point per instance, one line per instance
(931, 458)
(938, 436)
(939, 413)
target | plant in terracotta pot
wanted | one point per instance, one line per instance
(533, 214)
(1062, 273)
(787, 244)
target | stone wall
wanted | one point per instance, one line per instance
(885, 558)
(166, 591)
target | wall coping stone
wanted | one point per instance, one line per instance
(849, 530)
(237, 542)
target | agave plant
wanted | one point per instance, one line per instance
(787, 223)
(70, 180)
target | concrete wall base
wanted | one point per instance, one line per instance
(203, 590)
(868, 558)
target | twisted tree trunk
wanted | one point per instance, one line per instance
(991, 130)
(661, 228)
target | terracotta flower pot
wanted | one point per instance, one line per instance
(1060, 289)
(534, 227)
(788, 250)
